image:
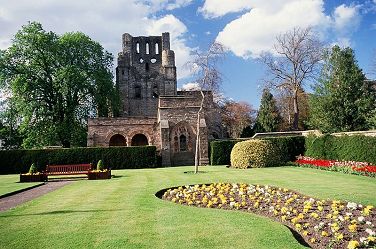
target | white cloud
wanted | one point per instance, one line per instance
(177, 31)
(157, 5)
(103, 21)
(190, 87)
(255, 31)
(346, 17)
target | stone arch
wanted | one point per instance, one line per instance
(139, 140)
(113, 133)
(182, 137)
(117, 140)
(136, 131)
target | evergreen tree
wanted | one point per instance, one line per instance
(268, 117)
(343, 98)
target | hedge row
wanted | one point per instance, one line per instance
(19, 161)
(344, 148)
(289, 148)
(220, 151)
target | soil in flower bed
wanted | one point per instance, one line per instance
(321, 223)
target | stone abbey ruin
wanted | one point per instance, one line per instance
(153, 111)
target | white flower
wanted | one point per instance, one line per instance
(349, 214)
(363, 239)
(360, 205)
(360, 218)
(232, 204)
(368, 223)
(370, 232)
(351, 205)
(341, 218)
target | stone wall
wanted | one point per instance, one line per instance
(100, 130)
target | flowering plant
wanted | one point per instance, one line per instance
(350, 167)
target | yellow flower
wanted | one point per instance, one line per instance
(324, 233)
(283, 217)
(305, 233)
(314, 215)
(353, 244)
(352, 228)
(298, 226)
(312, 240)
(320, 208)
(371, 238)
(339, 236)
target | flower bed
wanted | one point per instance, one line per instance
(321, 223)
(99, 174)
(350, 167)
(36, 177)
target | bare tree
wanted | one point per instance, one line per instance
(205, 66)
(294, 61)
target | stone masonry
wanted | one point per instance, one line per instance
(153, 112)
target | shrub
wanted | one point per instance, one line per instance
(255, 154)
(343, 148)
(288, 147)
(14, 161)
(33, 169)
(100, 165)
(220, 151)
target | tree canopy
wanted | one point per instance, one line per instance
(268, 116)
(55, 83)
(343, 99)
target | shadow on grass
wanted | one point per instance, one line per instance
(62, 212)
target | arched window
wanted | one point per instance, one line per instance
(137, 92)
(137, 48)
(183, 143)
(147, 48)
(139, 140)
(156, 48)
(117, 140)
(147, 66)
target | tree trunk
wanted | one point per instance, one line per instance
(197, 152)
(296, 111)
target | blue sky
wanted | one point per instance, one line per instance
(245, 27)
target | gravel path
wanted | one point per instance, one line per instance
(17, 199)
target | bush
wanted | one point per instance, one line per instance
(220, 151)
(255, 154)
(15, 161)
(33, 169)
(344, 148)
(100, 165)
(288, 147)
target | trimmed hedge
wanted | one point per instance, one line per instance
(289, 148)
(343, 148)
(220, 151)
(254, 153)
(19, 161)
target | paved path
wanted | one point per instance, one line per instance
(17, 199)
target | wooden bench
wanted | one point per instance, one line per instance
(69, 169)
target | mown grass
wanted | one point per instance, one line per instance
(10, 183)
(124, 213)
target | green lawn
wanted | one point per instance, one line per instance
(10, 183)
(124, 213)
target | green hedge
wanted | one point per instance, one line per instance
(289, 148)
(19, 161)
(220, 151)
(344, 148)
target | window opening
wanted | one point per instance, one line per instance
(138, 48)
(147, 66)
(156, 48)
(153, 60)
(147, 48)
(137, 92)
(183, 143)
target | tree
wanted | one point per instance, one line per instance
(295, 60)
(343, 99)
(56, 82)
(236, 116)
(285, 105)
(205, 65)
(268, 117)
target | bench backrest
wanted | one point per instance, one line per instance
(68, 168)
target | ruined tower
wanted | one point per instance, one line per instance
(146, 70)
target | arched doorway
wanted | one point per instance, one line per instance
(139, 140)
(118, 140)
